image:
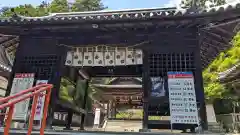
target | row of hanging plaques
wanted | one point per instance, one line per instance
(105, 58)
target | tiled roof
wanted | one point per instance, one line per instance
(120, 14)
(5, 44)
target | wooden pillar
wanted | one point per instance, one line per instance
(69, 120)
(199, 88)
(70, 112)
(84, 106)
(146, 88)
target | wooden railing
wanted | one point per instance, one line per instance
(35, 92)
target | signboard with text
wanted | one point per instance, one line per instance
(41, 100)
(182, 98)
(21, 81)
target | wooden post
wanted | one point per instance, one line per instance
(84, 106)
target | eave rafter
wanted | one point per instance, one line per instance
(216, 39)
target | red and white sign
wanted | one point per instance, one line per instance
(21, 81)
(41, 100)
(182, 98)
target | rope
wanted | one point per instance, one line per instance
(89, 46)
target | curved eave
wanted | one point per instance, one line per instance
(123, 15)
(215, 39)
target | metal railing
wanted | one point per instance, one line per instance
(35, 92)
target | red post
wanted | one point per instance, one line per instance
(33, 111)
(8, 120)
(45, 110)
(21, 96)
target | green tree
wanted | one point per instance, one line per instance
(201, 3)
(58, 6)
(25, 10)
(87, 5)
(212, 87)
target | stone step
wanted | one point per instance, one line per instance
(215, 127)
(123, 125)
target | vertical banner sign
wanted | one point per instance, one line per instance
(41, 100)
(21, 81)
(97, 116)
(182, 98)
(158, 89)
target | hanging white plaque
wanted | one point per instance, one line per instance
(69, 58)
(182, 98)
(88, 59)
(120, 56)
(109, 59)
(130, 59)
(77, 57)
(98, 59)
(139, 57)
(21, 81)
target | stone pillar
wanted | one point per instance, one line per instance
(97, 117)
(108, 109)
(114, 110)
(110, 115)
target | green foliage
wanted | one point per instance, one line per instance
(66, 90)
(26, 10)
(56, 6)
(213, 88)
(87, 5)
(201, 3)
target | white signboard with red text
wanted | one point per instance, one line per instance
(41, 100)
(182, 98)
(21, 81)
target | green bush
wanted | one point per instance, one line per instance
(212, 87)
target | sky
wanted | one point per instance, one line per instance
(111, 4)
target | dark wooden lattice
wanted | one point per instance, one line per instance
(44, 67)
(159, 65)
